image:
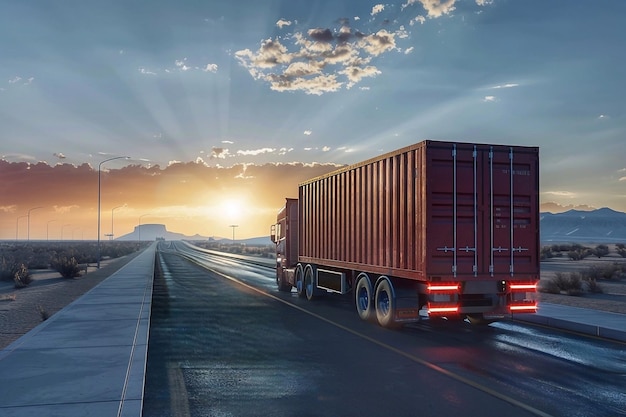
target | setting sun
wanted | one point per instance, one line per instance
(231, 209)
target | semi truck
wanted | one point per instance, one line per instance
(433, 230)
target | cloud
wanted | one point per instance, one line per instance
(181, 64)
(308, 132)
(553, 207)
(8, 209)
(210, 68)
(230, 142)
(489, 99)
(484, 2)
(510, 85)
(255, 152)
(622, 179)
(320, 61)
(603, 117)
(65, 209)
(377, 9)
(219, 153)
(325, 149)
(59, 155)
(435, 8)
(567, 194)
(15, 80)
(282, 23)
(146, 72)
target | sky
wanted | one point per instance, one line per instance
(223, 107)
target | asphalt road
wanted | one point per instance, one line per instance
(225, 342)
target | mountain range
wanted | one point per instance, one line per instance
(573, 226)
(159, 231)
(576, 226)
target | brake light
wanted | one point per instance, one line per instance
(439, 310)
(444, 287)
(523, 307)
(524, 287)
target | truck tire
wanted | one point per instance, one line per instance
(385, 303)
(299, 280)
(364, 298)
(283, 286)
(309, 283)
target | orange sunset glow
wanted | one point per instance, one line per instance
(188, 198)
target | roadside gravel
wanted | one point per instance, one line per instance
(22, 309)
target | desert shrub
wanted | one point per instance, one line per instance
(612, 271)
(8, 268)
(43, 313)
(601, 250)
(549, 287)
(67, 267)
(621, 250)
(571, 283)
(546, 252)
(575, 284)
(579, 252)
(593, 286)
(22, 277)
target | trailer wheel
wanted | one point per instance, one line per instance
(309, 283)
(385, 303)
(364, 298)
(299, 280)
(283, 286)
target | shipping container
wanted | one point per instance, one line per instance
(433, 229)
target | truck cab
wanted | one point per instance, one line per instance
(285, 235)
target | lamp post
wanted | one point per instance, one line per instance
(234, 226)
(28, 224)
(17, 222)
(99, 168)
(112, 210)
(48, 229)
(139, 227)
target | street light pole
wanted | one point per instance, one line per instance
(112, 210)
(28, 226)
(99, 169)
(17, 222)
(139, 227)
(48, 229)
(233, 226)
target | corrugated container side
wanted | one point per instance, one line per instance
(434, 210)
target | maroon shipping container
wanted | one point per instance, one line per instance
(464, 216)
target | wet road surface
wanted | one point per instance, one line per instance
(221, 348)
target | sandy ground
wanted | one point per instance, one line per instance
(23, 309)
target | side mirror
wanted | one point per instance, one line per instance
(273, 233)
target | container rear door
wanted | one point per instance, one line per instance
(482, 211)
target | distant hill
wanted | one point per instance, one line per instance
(159, 231)
(600, 226)
(574, 226)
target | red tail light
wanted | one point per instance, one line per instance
(520, 308)
(443, 287)
(523, 287)
(439, 310)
